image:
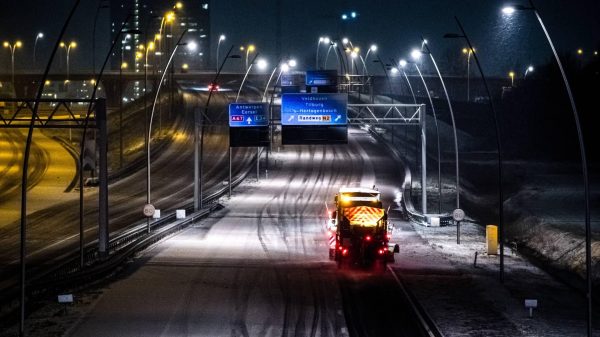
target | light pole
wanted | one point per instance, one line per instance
(101, 5)
(331, 45)
(324, 40)
(251, 48)
(148, 176)
(402, 65)
(221, 39)
(283, 67)
(511, 74)
(428, 51)
(588, 229)
(262, 64)
(498, 144)
(416, 55)
(373, 48)
(198, 168)
(39, 35)
(67, 48)
(12, 47)
(529, 69)
(468, 52)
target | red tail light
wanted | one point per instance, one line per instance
(388, 236)
(345, 252)
(381, 252)
(340, 247)
(368, 238)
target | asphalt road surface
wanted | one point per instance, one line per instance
(260, 267)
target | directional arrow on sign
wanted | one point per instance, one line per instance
(338, 118)
(249, 120)
(291, 117)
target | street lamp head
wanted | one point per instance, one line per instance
(285, 68)
(62, 44)
(124, 65)
(321, 39)
(40, 35)
(334, 44)
(354, 54)
(373, 48)
(416, 54)
(353, 15)
(508, 10)
(18, 44)
(402, 63)
(170, 17)
(222, 37)
(394, 70)
(326, 40)
(579, 51)
(251, 48)
(530, 68)
(262, 64)
(344, 17)
(157, 37)
(192, 46)
(511, 74)
(6, 44)
(292, 63)
(151, 46)
(73, 44)
(356, 50)
(179, 5)
(345, 40)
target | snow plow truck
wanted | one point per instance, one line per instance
(359, 230)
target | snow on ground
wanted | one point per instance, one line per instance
(472, 301)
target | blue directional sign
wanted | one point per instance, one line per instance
(248, 115)
(314, 109)
(321, 77)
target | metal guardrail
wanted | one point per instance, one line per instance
(407, 206)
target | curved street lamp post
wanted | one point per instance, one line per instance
(148, 175)
(498, 144)
(581, 141)
(428, 51)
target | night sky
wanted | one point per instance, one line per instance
(503, 43)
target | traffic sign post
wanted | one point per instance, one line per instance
(458, 215)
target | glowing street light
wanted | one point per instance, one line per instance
(425, 48)
(39, 35)
(468, 52)
(508, 10)
(221, 39)
(192, 46)
(68, 47)
(528, 70)
(511, 74)
(12, 48)
(416, 54)
(262, 64)
(251, 48)
(588, 228)
(322, 39)
(579, 51)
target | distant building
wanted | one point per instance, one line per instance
(148, 16)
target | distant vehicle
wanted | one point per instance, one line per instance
(362, 233)
(213, 87)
